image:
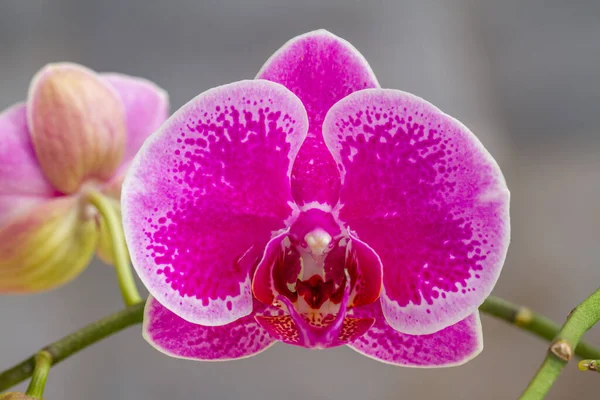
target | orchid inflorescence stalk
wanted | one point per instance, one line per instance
(308, 206)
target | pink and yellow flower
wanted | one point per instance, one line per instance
(312, 207)
(78, 131)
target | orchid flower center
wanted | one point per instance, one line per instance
(313, 287)
(315, 272)
(312, 266)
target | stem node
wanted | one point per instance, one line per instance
(523, 317)
(579, 321)
(42, 361)
(562, 349)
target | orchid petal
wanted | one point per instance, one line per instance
(321, 69)
(176, 337)
(22, 182)
(422, 191)
(206, 193)
(452, 346)
(46, 246)
(146, 108)
(77, 125)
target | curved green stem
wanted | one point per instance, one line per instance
(581, 319)
(532, 322)
(43, 361)
(74, 342)
(107, 326)
(120, 255)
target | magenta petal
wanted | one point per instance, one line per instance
(146, 108)
(421, 190)
(321, 69)
(207, 192)
(176, 337)
(22, 182)
(452, 346)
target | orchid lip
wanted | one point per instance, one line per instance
(314, 271)
(311, 329)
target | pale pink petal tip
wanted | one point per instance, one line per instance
(205, 194)
(22, 182)
(179, 338)
(423, 192)
(146, 108)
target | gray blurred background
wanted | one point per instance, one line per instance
(524, 76)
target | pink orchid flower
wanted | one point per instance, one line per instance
(311, 207)
(78, 131)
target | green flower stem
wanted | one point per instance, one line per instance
(121, 258)
(581, 319)
(132, 315)
(73, 343)
(532, 322)
(42, 362)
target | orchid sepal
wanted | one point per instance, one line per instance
(47, 246)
